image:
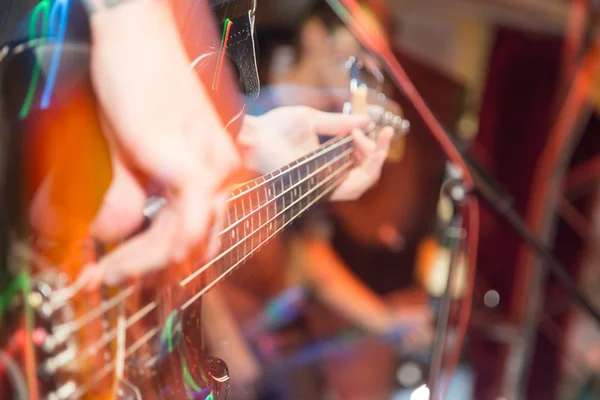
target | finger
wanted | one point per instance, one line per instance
(121, 211)
(197, 207)
(220, 212)
(377, 157)
(337, 124)
(385, 139)
(364, 146)
(144, 253)
(217, 159)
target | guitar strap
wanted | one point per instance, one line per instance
(222, 51)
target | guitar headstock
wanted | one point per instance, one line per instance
(367, 97)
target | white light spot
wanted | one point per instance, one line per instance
(420, 393)
(271, 226)
(269, 191)
(233, 234)
(247, 224)
(491, 298)
(295, 192)
(409, 374)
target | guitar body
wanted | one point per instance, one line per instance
(58, 168)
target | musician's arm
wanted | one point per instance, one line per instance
(337, 287)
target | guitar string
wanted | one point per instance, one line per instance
(66, 294)
(108, 367)
(68, 328)
(109, 336)
(325, 148)
(193, 299)
(292, 188)
(134, 347)
(310, 157)
(69, 292)
(64, 330)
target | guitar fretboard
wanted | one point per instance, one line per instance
(260, 209)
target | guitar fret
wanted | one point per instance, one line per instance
(291, 199)
(298, 191)
(284, 194)
(235, 232)
(250, 226)
(314, 176)
(245, 225)
(258, 218)
(256, 213)
(307, 185)
(275, 207)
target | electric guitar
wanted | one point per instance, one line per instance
(141, 340)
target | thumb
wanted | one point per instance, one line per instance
(121, 211)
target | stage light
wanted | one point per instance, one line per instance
(409, 374)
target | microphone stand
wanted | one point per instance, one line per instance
(454, 190)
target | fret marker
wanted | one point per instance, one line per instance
(269, 191)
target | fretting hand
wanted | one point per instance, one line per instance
(285, 134)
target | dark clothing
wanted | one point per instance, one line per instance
(15, 20)
(12, 13)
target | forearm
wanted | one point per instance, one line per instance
(342, 291)
(153, 34)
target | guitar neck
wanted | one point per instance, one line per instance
(265, 206)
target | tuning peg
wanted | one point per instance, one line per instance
(382, 117)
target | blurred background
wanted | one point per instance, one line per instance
(344, 305)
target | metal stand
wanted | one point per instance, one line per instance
(453, 189)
